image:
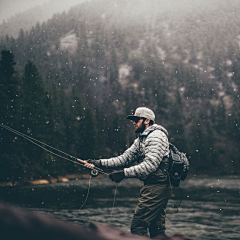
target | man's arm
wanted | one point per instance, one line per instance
(125, 159)
(156, 147)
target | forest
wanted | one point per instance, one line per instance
(70, 82)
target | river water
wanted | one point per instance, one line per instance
(210, 206)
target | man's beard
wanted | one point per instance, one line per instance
(140, 129)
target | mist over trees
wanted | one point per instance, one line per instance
(71, 81)
(28, 18)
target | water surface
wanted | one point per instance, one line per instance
(210, 207)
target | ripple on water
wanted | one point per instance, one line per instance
(209, 208)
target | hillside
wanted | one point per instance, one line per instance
(29, 18)
(180, 59)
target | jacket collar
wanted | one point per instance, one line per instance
(152, 128)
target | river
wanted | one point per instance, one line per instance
(210, 206)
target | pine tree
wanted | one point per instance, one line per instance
(221, 118)
(10, 147)
(202, 145)
(37, 120)
(9, 82)
(81, 131)
(176, 124)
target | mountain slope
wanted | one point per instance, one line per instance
(29, 18)
(181, 59)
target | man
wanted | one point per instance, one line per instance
(150, 150)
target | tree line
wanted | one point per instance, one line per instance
(77, 102)
(61, 120)
(50, 116)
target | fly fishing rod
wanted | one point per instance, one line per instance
(94, 171)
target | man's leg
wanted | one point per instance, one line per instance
(157, 214)
(150, 211)
(139, 225)
(158, 226)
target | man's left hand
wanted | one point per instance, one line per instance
(117, 176)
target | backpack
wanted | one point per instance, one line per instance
(178, 165)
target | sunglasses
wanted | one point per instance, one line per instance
(137, 119)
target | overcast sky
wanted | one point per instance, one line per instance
(11, 7)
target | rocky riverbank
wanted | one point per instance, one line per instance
(49, 180)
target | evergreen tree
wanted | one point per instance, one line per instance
(88, 135)
(176, 124)
(58, 105)
(34, 100)
(192, 85)
(221, 118)
(36, 120)
(233, 122)
(11, 166)
(9, 83)
(202, 144)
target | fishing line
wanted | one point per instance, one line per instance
(28, 138)
(114, 200)
(89, 184)
(80, 209)
(35, 141)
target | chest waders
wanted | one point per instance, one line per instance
(150, 212)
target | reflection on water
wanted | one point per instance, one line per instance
(210, 207)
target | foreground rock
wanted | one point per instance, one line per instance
(21, 224)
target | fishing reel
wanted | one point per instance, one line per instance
(94, 172)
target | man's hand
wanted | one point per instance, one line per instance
(117, 176)
(93, 163)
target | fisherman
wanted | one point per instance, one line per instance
(150, 152)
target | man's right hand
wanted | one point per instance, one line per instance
(91, 163)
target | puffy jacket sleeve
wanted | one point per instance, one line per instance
(156, 147)
(125, 159)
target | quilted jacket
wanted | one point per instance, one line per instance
(148, 150)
